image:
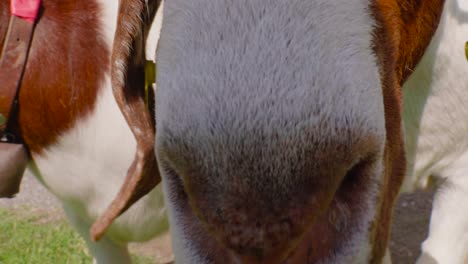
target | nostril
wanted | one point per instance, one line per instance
(352, 193)
(357, 176)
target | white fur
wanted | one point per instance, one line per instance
(201, 56)
(436, 127)
(87, 165)
(153, 35)
(183, 253)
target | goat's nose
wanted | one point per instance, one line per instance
(259, 231)
(261, 199)
(255, 234)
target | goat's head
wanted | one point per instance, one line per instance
(279, 132)
(278, 125)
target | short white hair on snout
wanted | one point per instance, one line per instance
(263, 101)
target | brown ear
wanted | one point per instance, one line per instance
(128, 80)
(404, 31)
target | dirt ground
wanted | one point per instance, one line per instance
(410, 224)
(411, 219)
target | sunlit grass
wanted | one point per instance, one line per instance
(28, 239)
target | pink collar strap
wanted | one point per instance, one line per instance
(25, 9)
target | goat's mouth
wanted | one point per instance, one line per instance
(317, 239)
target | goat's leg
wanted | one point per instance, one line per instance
(447, 241)
(105, 251)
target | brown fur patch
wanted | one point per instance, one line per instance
(4, 18)
(64, 72)
(405, 28)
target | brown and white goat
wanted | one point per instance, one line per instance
(282, 127)
(80, 144)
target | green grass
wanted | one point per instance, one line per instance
(25, 239)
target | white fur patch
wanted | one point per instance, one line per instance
(436, 126)
(153, 35)
(434, 107)
(88, 164)
(462, 5)
(180, 244)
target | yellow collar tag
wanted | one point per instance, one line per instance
(150, 78)
(466, 50)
